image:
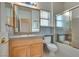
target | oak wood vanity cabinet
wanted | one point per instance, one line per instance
(26, 47)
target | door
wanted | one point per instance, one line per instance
(36, 50)
(20, 51)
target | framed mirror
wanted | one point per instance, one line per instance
(26, 20)
(23, 20)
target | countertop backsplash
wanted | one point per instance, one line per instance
(45, 31)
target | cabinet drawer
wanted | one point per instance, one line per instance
(18, 42)
(37, 44)
(24, 41)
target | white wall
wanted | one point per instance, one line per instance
(3, 47)
(52, 22)
(0, 16)
(75, 27)
(3, 20)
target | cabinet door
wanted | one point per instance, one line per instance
(36, 50)
(20, 51)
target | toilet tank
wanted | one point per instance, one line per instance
(47, 39)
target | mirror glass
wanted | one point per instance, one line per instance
(35, 21)
(26, 20)
(23, 19)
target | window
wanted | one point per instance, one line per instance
(44, 17)
(59, 21)
(44, 22)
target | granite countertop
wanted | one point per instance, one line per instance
(30, 35)
(20, 36)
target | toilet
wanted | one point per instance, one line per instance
(51, 46)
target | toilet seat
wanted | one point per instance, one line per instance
(52, 47)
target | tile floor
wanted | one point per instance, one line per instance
(64, 50)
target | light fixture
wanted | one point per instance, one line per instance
(31, 3)
(34, 3)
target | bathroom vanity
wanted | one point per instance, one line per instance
(28, 46)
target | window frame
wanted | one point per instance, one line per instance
(59, 21)
(49, 16)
